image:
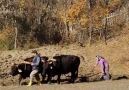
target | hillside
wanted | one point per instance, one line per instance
(116, 52)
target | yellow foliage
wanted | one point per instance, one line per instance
(98, 14)
(22, 3)
(6, 32)
(113, 5)
(84, 20)
(79, 10)
(70, 14)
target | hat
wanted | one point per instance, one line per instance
(99, 57)
(34, 51)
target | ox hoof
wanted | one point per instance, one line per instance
(49, 82)
(58, 82)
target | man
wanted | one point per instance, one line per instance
(35, 67)
(104, 67)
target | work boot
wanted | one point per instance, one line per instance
(30, 83)
(39, 82)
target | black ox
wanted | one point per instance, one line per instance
(62, 64)
(24, 70)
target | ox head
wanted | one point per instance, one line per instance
(44, 59)
(48, 66)
(14, 69)
(51, 61)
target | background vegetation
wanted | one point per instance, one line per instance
(33, 23)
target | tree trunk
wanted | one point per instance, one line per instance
(70, 27)
(16, 33)
(90, 28)
(90, 31)
(67, 33)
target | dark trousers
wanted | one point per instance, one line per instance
(106, 75)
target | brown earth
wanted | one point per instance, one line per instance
(105, 85)
(116, 52)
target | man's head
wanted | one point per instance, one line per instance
(34, 52)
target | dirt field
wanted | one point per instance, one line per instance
(116, 53)
(104, 85)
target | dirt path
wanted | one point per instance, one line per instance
(103, 85)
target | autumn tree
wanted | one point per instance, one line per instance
(54, 21)
(69, 14)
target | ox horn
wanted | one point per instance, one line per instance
(53, 60)
(19, 70)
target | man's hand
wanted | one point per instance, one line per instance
(102, 73)
(32, 64)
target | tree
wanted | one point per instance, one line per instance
(70, 13)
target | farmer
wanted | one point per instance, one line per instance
(35, 67)
(104, 68)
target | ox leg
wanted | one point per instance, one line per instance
(49, 79)
(43, 78)
(58, 79)
(72, 76)
(20, 78)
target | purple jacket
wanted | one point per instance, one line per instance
(103, 63)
